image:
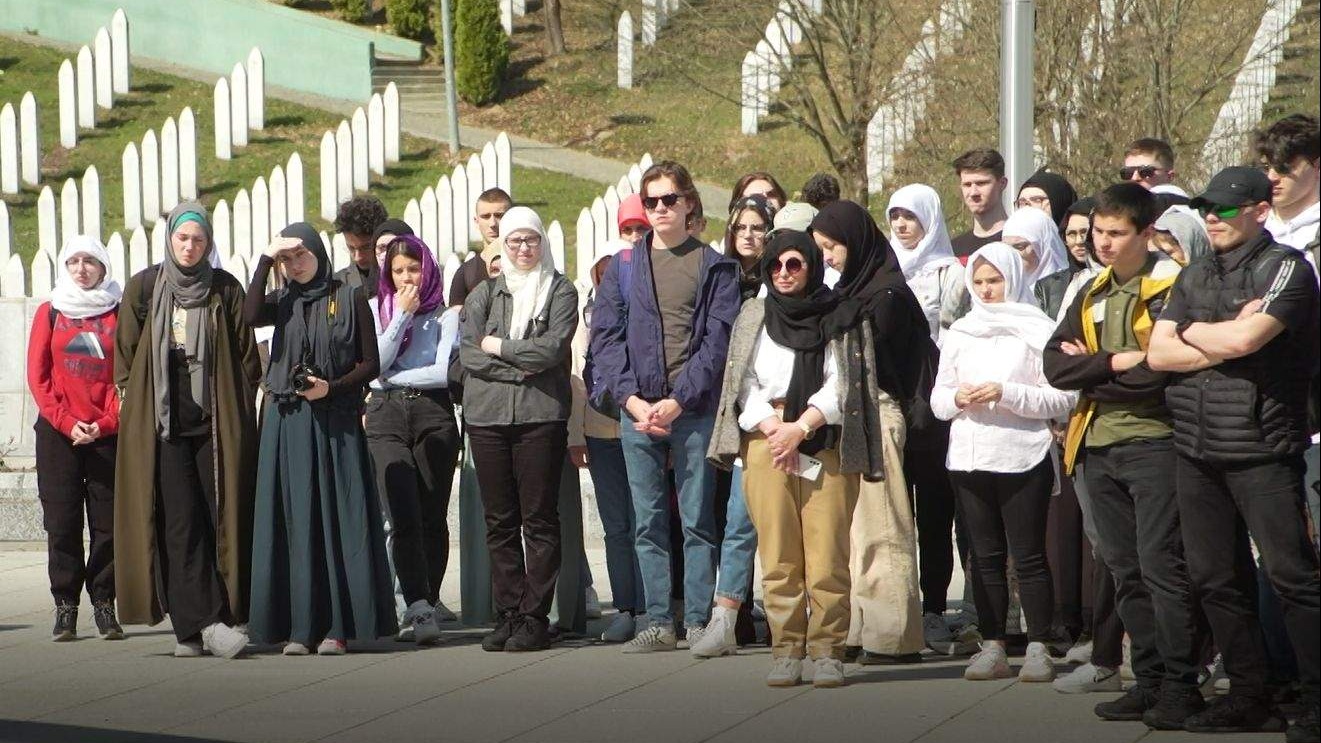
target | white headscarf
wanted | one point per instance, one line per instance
(934, 250)
(73, 301)
(530, 289)
(1018, 314)
(1036, 227)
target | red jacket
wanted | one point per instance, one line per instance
(71, 368)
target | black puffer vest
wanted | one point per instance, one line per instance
(1254, 408)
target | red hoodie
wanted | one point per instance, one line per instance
(71, 370)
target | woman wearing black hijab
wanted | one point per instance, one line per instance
(320, 575)
(1050, 192)
(876, 301)
(782, 398)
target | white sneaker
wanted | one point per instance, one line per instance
(1214, 679)
(621, 628)
(332, 647)
(296, 648)
(988, 664)
(785, 672)
(827, 673)
(936, 633)
(652, 639)
(443, 613)
(188, 650)
(717, 638)
(223, 640)
(1080, 653)
(1088, 678)
(422, 619)
(1036, 664)
(692, 634)
(593, 604)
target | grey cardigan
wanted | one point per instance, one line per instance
(529, 381)
(860, 430)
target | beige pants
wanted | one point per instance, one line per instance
(804, 558)
(887, 614)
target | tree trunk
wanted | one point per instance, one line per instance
(554, 29)
(853, 179)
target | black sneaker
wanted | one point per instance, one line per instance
(66, 622)
(106, 621)
(1175, 705)
(851, 653)
(1235, 714)
(494, 642)
(868, 658)
(530, 633)
(1304, 728)
(1130, 707)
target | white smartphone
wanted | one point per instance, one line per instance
(809, 468)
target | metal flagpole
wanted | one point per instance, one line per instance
(1017, 25)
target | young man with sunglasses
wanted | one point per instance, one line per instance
(659, 345)
(1240, 333)
(1289, 152)
(1148, 161)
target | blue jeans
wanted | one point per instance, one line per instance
(614, 501)
(738, 549)
(646, 458)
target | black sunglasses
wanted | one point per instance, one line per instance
(670, 199)
(1145, 171)
(790, 267)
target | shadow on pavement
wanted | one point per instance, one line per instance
(15, 731)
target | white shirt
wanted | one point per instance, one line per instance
(767, 378)
(1011, 435)
(1297, 232)
(939, 291)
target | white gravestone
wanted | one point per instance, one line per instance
(771, 64)
(86, 90)
(118, 262)
(490, 167)
(70, 212)
(520, 8)
(187, 155)
(623, 187)
(222, 128)
(474, 174)
(748, 96)
(68, 91)
(427, 205)
(461, 217)
(279, 196)
(13, 281)
(29, 140)
(328, 162)
(105, 93)
(391, 102)
(238, 101)
(376, 134)
(507, 16)
(8, 149)
(644, 162)
(635, 178)
(624, 51)
(220, 230)
(169, 165)
(504, 157)
(611, 200)
(413, 216)
(585, 250)
(261, 215)
(293, 176)
(343, 163)
(131, 171)
(358, 132)
(6, 234)
(649, 26)
(151, 178)
(91, 202)
(138, 251)
(256, 90)
(555, 236)
(242, 234)
(119, 51)
(444, 219)
(600, 232)
(158, 240)
(43, 274)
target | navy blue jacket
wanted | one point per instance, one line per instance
(628, 344)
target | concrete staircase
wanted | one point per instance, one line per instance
(421, 85)
(1296, 78)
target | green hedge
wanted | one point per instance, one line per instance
(353, 11)
(409, 18)
(481, 51)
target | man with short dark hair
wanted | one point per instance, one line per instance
(1289, 151)
(1122, 430)
(821, 189)
(1240, 332)
(982, 182)
(489, 210)
(357, 220)
(1148, 161)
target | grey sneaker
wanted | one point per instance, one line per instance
(443, 613)
(988, 664)
(188, 649)
(1088, 678)
(936, 633)
(422, 619)
(295, 649)
(785, 672)
(828, 673)
(223, 640)
(621, 629)
(1036, 664)
(655, 638)
(1079, 653)
(692, 634)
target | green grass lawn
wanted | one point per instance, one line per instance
(289, 128)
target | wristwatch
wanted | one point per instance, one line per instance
(807, 429)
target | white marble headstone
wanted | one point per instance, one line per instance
(86, 89)
(358, 132)
(169, 165)
(222, 127)
(256, 90)
(624, 51)
(151, 178)
(29, 140)
(68, 92)
(91, 202)
(131, 172)
(119, 51)
(329, 188)
(376, 134)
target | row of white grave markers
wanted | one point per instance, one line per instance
(896, 120)
(366, 143)
(761, 69)
(75, 213)
(656, 14)
(244, 229)
(598, 223)
(20, 145)
(101, 73)
(442, 215)
(160, 171)
(240, 104)
(125, 260)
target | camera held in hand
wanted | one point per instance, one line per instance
(301, 378)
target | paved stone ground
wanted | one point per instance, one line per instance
(92, 691)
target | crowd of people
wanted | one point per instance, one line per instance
(1104, 409)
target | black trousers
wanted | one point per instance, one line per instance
(1221, 507)
(195, 594)
(933, 504)
(1065, 549)
(1131, 486)
(70, 480)
(518, 469)
(1005, 513)
(414, 444)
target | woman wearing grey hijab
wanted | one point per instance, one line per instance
(186, 368)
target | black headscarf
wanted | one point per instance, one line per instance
(871, 270)
(302, 318)
(800, 324)
(1082, 207)
(391, 227)
(1058, 188)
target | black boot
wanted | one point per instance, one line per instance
(66, 622)
(1235, 714)
(494, 642)
(530, 633)
(1176, 704)
(1130, 707)
(106, 621)
(1304, 728)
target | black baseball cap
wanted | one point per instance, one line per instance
(1234, 186)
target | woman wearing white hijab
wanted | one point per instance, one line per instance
(1037, 240)
(992, 388)
(921, 242)
(71, 367)
(515, 350)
